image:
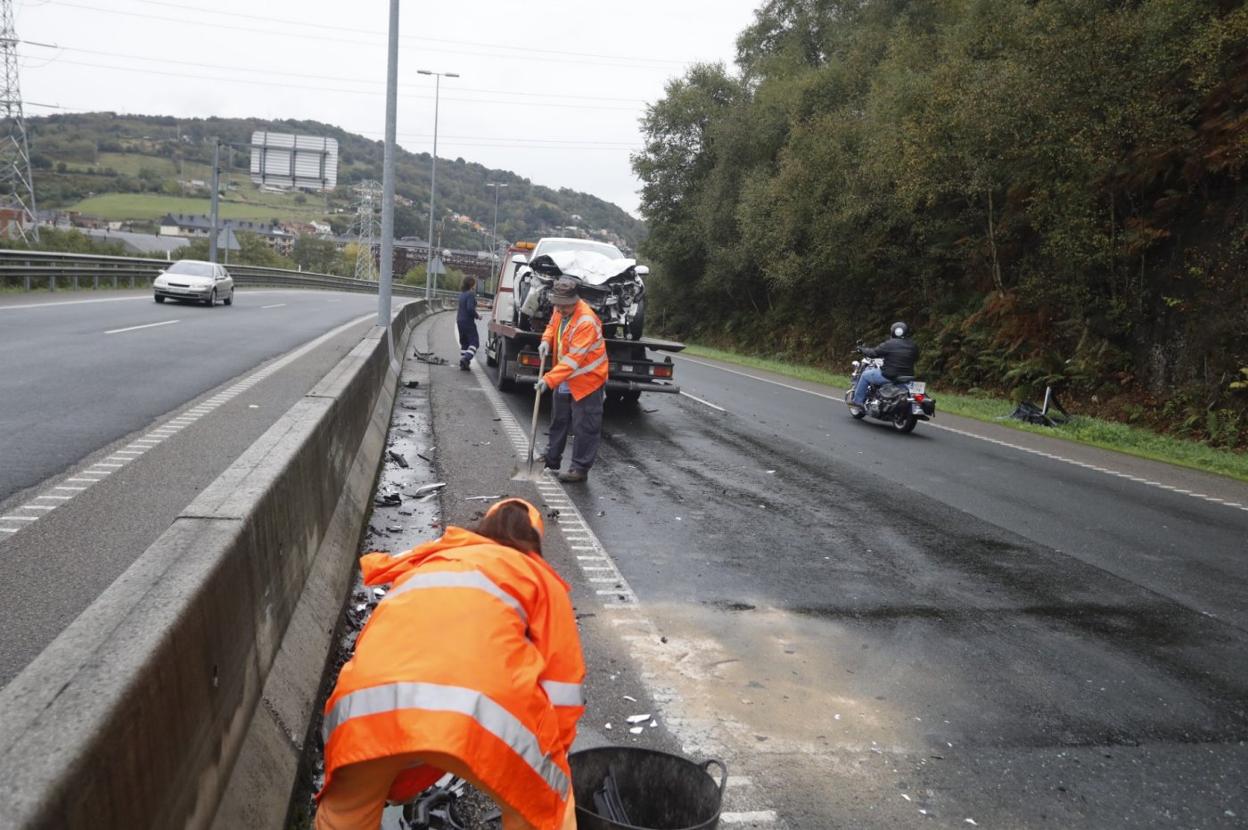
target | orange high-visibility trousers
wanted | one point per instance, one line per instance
(356, 796)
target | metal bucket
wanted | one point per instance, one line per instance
(658, 790)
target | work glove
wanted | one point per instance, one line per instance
(543, 350)
(541, 385)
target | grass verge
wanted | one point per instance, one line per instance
(1109, 435)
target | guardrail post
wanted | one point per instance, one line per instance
(27, 281)
(115, 280)
(132, 280)
(76, 286)
(51, 282)
(95, 282)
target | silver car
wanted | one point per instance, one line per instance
(194, 280)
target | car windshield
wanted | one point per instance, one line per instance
(191, 269)
(581, 245)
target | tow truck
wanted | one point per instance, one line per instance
(513, 339)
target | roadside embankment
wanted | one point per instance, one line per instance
(181, 697)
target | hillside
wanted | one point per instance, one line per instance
(135, 168)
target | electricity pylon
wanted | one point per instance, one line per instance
(367, 229)
(17, 188)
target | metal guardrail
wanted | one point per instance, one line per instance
(48, 270)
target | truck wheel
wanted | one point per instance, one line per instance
(491, 347)
(631, 397)
(504, 383)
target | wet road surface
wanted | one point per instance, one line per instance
(895, 631)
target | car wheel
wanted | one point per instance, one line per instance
(160, 299)
(212, 299)
(229, 300)
(501, 380)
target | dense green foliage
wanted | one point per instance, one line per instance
(1051, 191)
(82, 154)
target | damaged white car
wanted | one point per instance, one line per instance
(609, 282)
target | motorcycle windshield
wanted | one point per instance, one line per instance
(588, 266)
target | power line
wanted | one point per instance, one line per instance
(273, 72)
(529, 55)
(375, 33)
(250, 82)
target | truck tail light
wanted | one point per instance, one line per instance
(530, 359)
(662, 371)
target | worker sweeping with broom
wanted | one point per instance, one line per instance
(470, 665)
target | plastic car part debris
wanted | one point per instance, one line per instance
(430, 358)
(638, 718)
(388, 500)
(482, 498)
(637, 730)
(607, 801)
(426, 489)
(397, 458)
(411, 384)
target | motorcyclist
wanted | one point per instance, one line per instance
(900, 355)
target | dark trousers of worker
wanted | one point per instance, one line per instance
(468, 340)
(583, 419)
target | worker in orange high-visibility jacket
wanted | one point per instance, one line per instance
(472, 665)
(578, 375)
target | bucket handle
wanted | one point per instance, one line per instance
(723, 778)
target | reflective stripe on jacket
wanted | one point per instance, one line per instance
(474, 653)
(580, 354)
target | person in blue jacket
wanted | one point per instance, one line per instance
(466, 320)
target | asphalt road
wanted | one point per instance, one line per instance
(108, 436)
(906, 630)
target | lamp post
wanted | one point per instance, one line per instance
(386, 277)
(433, 175)
(498, 187)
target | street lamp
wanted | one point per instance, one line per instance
(433, 175)
(498, 187)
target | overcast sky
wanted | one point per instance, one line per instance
(551, 90)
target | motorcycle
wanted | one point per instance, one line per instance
(903, 403)
(613, 288)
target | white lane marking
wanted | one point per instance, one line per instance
(999, 442)
(750, 817)
(704, 403)
(8, 530)
(23, 306)
(121, 458)
(19, 518)
(764, 380)
(275, 305)
(147, 326)
(1117, 474)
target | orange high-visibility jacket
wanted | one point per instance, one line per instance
(580, 355)
(474, 652)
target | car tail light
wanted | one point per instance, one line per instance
(662, 371)
(529, 359)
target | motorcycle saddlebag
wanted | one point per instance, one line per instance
(891, 393)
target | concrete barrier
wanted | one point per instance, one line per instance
(145, 711)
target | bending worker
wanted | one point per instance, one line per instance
(578, 374)
(470, 665)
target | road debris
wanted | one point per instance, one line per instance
(388, 500)
(637, 730)
(906, 797)
(394, 528)
(482, 498)
(397, 458)
(427, 489)
(608, 726)
(974, 823)
(411, 384)
(630, 698)
(638, 718)
(430, 358)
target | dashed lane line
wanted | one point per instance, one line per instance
(1052, 456)
(145, 326)
(716, 407)
(136, 448)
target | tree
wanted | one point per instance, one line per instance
(312, 254)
